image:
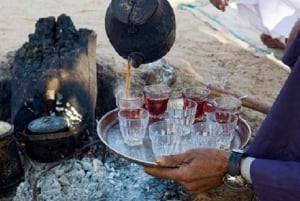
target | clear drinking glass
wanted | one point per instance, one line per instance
(182, 112)
(218, 78)
(200, 135)
(133, 101)
(164, 138)
(199, 95)
(227, 104)
(222, 125)
(133, 125)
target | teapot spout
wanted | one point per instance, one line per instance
(136, 59)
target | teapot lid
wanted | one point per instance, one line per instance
(135, 12)
(48, 124)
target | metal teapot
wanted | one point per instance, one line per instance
(140, 30)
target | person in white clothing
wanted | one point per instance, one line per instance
(277, 20)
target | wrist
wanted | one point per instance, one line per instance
(238, 175)
(234, 162)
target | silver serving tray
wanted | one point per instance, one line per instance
(109, 133)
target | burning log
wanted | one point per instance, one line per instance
(54, 73)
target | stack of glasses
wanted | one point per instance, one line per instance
(177, 124)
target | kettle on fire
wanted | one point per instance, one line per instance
(140, 30)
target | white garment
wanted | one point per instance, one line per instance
(245, 168)
(273, 17)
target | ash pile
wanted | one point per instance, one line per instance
(88, 179)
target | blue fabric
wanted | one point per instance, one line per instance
(276, 180)
(292, 54)
(276, 171)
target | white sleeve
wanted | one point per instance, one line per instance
(245, 168)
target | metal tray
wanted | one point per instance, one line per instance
(109, 132)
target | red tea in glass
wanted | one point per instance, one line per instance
(208, 107)
(156, 99)
(132, 113)
(199, 95)
(228, 104)
(133, 125)
(156, 107)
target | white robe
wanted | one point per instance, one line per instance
(273, 17)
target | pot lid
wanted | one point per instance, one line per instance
(135, 12)
(5, 129)
(48, 124)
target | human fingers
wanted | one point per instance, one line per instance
(173, 160)
(174, 166)
(220, 4)
(198, 184)
(202, 184)
(165, 173)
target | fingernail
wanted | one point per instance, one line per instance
(159, 159)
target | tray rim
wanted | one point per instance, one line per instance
(141, 162)
(110, 125)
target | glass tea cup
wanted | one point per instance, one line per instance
(200, 135)
(228, 104)
(182, 112)
(187, 141)
(222, 125)
(156, 97)
(218, 78)
(133, 101)
(164, 138)
(199, 95)
(133, 125)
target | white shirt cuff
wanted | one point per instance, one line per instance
(245, 168)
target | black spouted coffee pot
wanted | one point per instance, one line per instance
(140, 30)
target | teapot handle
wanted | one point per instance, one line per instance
(135, 12)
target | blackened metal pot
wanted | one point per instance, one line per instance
(48, 139)
(11, 170)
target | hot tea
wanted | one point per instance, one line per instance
(199, 95)
(228, 104)
(156, 107)
(131, 113)
(128, 78)
(156, 99)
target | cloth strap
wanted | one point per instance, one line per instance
(234, 162)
